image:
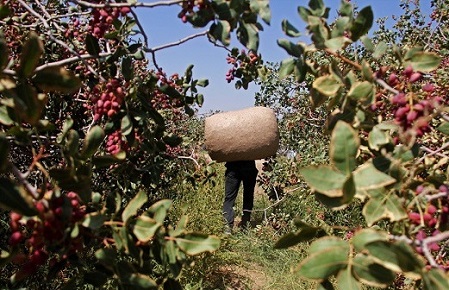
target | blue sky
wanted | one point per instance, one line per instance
(162, 26)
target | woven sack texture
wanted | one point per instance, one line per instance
(247, 134)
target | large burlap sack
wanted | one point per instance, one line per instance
(247, 134)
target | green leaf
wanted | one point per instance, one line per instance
(368, 43)
(262, 8)
(317, 7)
(199, 99)
(248, 35)
(377, 138)
(325, 262)
(345, 9)
(202, 83)
(31, 54)
(134, 205)
(305, 233)
(336, 43)
(145, 228)
(94, 220)
(365, 236)
(383, 206)
(92, 45)
(126, 125)
(362, 91)
(197, 243)
(127, 68)
(324, 180)
(371, 273)
(444, 128)
(327, 85)
(68, 124)
(326, 243)
(304, 13)
(362, 24)
(107, 160)
(57, 79)
(367, 177)
(291, 48)
(286, 68)
(221, 30)
(435, 279)
(107, 257)
(14, 197)
(380, 50)
(141, 281)
(347, 281)
(398, 256)
(159, 210)
(92, 142)
(424, 61)
(289, 29)
(344, 146)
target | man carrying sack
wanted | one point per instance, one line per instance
(239, 138)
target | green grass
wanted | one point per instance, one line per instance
(247, 259)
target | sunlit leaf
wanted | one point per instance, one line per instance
(327, 85)
(197, 243)
(326, 261)
(383, 206)
(347, 281)
(289, 29)
(424, 61)
(324, 179)
(126, 125)
(344, 147)
(367, 177)
(378, 138)
(365, 236)
(94, 220)
(435, 279)
(287, 67)
(361, 91)
(134, 205)
(145, 228)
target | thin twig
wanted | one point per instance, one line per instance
(22, 178)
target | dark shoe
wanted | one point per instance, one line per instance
(245, 222)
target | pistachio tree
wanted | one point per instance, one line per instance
(91, 138)
(387, 119)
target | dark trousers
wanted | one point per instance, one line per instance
(233, 178)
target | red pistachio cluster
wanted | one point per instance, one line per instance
(102, 19)
(50, 232)
(107, 99)
(116, 143)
